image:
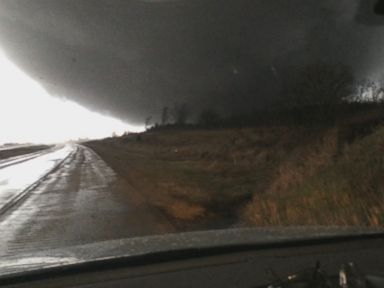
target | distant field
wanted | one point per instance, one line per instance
(12, 152)
(263, 176)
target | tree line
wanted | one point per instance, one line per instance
(319, 93)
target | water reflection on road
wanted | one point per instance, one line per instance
(81, 200)
(16, 177)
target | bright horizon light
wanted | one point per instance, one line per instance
(29, 114)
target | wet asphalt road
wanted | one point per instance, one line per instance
(64, 197)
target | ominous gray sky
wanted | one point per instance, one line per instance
(130, 58)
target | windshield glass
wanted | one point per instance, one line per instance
(148, 117)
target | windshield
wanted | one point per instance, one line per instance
(122, 119)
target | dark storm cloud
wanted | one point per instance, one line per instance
(130, 58)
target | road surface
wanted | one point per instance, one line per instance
(54, 200)
(67, 196)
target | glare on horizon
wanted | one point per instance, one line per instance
(29, 114)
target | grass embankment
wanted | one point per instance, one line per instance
(12, 152)
(272, 176)
(346, 188)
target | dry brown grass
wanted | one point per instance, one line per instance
(305, 161)
(348, 190)
(274, 176)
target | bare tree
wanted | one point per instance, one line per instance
(313, 95)
(165, 116)
(209, 118)
(322, 84)
(148, 122)
(180, 114)
(367, 90)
